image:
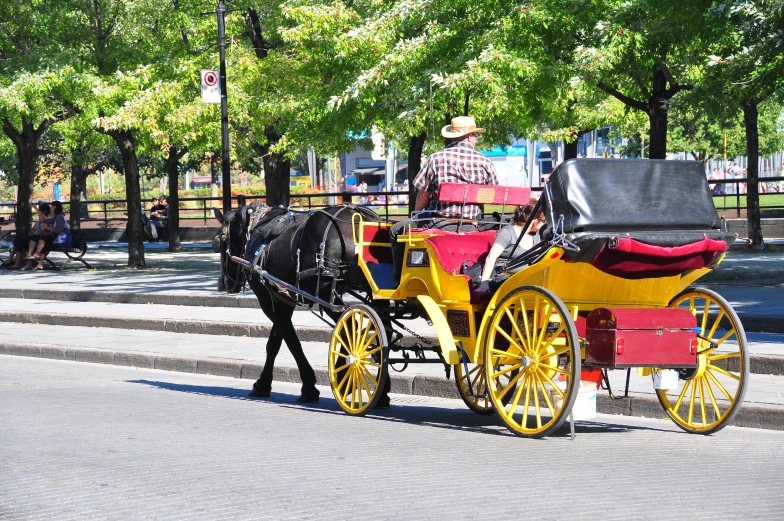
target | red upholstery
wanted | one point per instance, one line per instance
(483, 194)
(453, 250)
(631, 259)
(378, 254)
(629, 245)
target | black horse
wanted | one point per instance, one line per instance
(314, 251)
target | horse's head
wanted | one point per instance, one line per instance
(231, 241)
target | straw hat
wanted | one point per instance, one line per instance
(460, 127)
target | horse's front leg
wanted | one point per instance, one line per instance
(309, 393)
(263, 386)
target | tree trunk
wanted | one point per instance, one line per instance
(277, 170)
(415, 147)
(570, 149)
(657, 115)
(173, 171)
(26, 148)
(27, 165)
(213, 168)
(124, 141)
(753, 218)
(78, 182)
(657, 143)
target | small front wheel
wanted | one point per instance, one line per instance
(532, 336)
(472, 389)
(358, 356)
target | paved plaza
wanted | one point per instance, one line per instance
(85, 441)
(150, 441)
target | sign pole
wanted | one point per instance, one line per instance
(225, 166)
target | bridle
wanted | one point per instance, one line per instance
(238, 277)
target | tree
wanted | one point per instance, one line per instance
(748, 68)
(39, 85)
(408, 68)
(700, 131)
(29, 105)
(118, 102)
(644, 53)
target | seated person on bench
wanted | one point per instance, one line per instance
(58, 235)
(505, 240)
(459, 162)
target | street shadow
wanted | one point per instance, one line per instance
(425, 415)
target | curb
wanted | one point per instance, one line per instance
(760, 364)
(216, 301)
(770, 418)
(751, 323)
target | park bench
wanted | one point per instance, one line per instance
(74, 253)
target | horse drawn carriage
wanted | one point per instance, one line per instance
(607, 287)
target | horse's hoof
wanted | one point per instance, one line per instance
(255, 393)
(310, 397)
(383, 403)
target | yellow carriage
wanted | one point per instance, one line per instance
(608, 287)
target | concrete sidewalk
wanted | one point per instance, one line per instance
(767, 349)
(189, 278)
(244, 358)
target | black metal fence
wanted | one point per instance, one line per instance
(729, 195)
(106, 211)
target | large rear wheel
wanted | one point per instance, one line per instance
(358, 355)
(708, 398)
(532, 336)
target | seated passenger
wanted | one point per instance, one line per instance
(505, 240)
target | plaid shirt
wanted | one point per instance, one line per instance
(457, 163)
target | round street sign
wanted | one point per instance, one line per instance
(210, 78)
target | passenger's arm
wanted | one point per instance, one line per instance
(421, 201)
(59, 224)
(490, 261)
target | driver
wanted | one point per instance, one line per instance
(459, 162)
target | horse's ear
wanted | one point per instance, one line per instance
(218, 215)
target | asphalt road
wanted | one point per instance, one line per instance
(85, 441)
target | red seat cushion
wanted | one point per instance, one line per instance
(452, 250)
(631, 259)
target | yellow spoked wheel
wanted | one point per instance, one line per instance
(358, 354)
(472, 389)
(532, 336)
(709, 397)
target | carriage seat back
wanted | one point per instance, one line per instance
(452, 250)
(375, 243)
(462, 193)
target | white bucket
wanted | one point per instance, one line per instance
(584, 407)
(665, 379)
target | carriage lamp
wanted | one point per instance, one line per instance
(619, 346)
(693, 344)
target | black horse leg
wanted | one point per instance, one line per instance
(383, 400)
(263, 386)
(309, 392)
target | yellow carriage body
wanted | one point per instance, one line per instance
(581, 287)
